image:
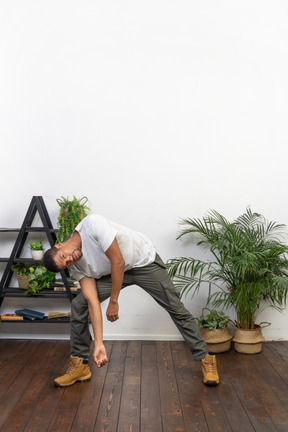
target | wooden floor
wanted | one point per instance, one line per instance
(146, 386)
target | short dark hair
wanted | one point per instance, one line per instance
(48, 260)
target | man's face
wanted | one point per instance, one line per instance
(66, 256)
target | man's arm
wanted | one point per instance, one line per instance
(89, 291)
(117, 273)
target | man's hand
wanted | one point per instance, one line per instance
(112, 311)
(100, 356)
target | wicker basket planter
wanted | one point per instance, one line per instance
(249, 341)
(218, 340)
(22, 281)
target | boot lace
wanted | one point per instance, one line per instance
(210, 367)
(72, 367)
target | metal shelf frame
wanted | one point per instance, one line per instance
(37, 205)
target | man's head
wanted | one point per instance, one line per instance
(61, 256)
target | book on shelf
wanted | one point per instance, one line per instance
(59, 282)
(60, 286)
(54, 315)
(11, 317)
(63, 288)
(30, 314)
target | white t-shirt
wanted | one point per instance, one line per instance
(97, 234)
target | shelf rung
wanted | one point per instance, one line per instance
(28, 229)
(17, 292)
(43, 321)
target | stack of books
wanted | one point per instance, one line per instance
(73, 285)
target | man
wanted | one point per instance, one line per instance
(106, 257)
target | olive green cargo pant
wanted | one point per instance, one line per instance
(155, 280)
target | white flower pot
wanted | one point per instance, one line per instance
(37, 255)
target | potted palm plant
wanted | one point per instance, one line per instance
(247, 271)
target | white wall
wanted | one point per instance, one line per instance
(155, 110)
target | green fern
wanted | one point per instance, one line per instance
(70, 214)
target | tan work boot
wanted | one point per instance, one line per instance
(78, 371)
(209, 369)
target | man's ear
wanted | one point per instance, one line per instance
(58, 245)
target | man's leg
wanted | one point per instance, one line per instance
(80, 335)
(78, 369)
(155, 280)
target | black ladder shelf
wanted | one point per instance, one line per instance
(37, 205)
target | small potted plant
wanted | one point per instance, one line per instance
(22, 272)
(33, 278)
(214, 330)
(37, 251)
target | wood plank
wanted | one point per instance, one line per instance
(9, 348)
(272, 378)
(118, 356)
(85, 418)
(236, 414)
(171, 410)
(134, 349)
(31, 362)
(193, 414)
(214, 412)
(276, 361)
(150, 393)
(111, 396)
(280, 349)
(50, 398)
(285, 343)
(266, 396)
(62, 420)
(129, 415)
(258, 416)
(22, 412)
(15, 354)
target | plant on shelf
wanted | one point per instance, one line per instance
(22, 272)
(34, 245)
(248, 265)
(70, 214)
(37, 277)
(20, 269)
(36, 249)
